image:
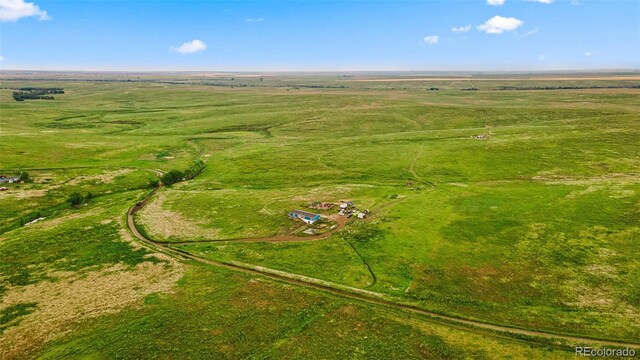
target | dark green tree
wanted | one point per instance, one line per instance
(24, 176)
(75, 199)
(172, 177)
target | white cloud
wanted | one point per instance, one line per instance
(499, 24)
(461, 29)
(190, 47)
(529, 33)
(431, 39)
(14, 10)
(495, 2)
(254, 20)
(541, 1)
(587, 53)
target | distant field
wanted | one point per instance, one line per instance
(475, 78)
(519, 208)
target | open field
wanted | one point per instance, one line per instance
(516, 207)
(546, 78)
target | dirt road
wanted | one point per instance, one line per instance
(361, 294)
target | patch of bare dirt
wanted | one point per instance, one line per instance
(96, 293)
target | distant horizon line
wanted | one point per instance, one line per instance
(538, 71)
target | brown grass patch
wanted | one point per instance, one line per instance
(22, 194)
(105, 177)
(262, 304)
(350, 310)
(227, 348)
(48, 224)
(74, 298)
(165, 223)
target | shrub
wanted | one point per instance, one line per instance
(75, 199)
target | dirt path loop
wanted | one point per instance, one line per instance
(341, 220)
(359, 294)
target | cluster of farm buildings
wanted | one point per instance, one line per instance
(8, 180)
(345, 208)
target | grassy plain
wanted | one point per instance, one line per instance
(534, 226)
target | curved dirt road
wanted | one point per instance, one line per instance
(341, 220)
(359, 294)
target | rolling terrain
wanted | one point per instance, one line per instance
(504, 220)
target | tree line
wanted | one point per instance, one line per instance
(175, 176)
(34, 93)
(567, 87)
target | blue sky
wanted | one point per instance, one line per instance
(320, 35)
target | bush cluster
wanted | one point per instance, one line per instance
(76, 198)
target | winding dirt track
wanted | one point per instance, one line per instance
(341, 220)
(355, 293)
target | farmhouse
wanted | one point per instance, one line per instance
(307, 217)
(9, 179)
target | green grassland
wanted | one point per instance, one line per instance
(536, 225)
(226, 315)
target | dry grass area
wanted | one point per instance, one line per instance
(22, 194)
(78, 297)
(165, 223)
(50, 223)
(105, 177)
